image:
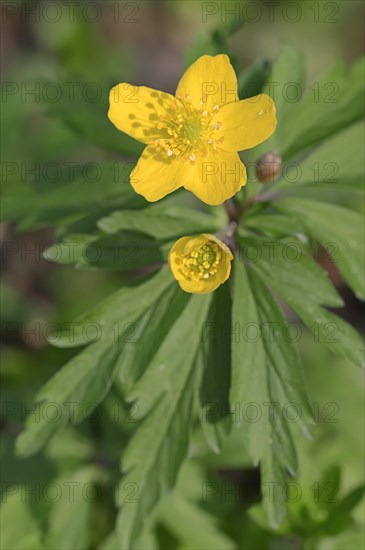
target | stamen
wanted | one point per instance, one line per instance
(201, 263)
(186, 130)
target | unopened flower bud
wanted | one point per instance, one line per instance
(268, 167)
(200, 264)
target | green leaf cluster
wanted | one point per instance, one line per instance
(181, 365)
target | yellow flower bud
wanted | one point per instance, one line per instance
(200, 264)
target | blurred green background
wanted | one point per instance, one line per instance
(148, 43)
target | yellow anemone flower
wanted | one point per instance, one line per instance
(192, 139)
(200, 264)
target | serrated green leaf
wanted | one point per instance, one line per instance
(77, 197)
(275, 225)
(92, 371)
(112, 316)
(285, 387)
(160, 223)
(215, 357)
(173, 351)
(88, 118)
(192, 526)
(60, 401)
(123, 252)
(69, 523)
(286, 265)
(249, 379)
(285, 377)
(273, 482)
(153, 328)
(331, 104)
(336, 228)
(331, 330)
(337, 163)
(171, 380)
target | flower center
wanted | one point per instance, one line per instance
(201, 263)
(186, 130)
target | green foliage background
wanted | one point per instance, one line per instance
(165, 463)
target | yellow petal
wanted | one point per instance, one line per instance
(217, 177)
(200, 287)
(222, 245)
(210, 78)
(247, 123)
(136, 110)
(185, 245)
(156, 174)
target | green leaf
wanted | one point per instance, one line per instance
(276, 225)
(153, 329)
(107, 187)
(331, 478)
(92, 371)
(171, 380)
(331, 104)
(337, 229)
(304, 286)
(267, 373)
(146, 541)
(19, 529)
(273, 483)
(161, 223)
(285, 377)
(284, 86)
(287, 267)
(252, 79)
(249, 381)
(123, 252)
(215, 358)
(116, 314)
(338, 163)
(339, 517)
(192, 526)
(213, 43)
(88, 117)
(349, 540)
(60, 401)
(331, 330)
(70, 518)
(285, 387)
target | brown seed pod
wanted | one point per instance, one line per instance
(268, 167)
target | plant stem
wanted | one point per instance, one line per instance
(234, 214)
(232, 211)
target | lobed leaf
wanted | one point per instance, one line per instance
(249, 378)
(166, 391)
(215, 360)
(304, 286)
(161, 223)
(339, 230)
(115, 314)
(335, 164)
